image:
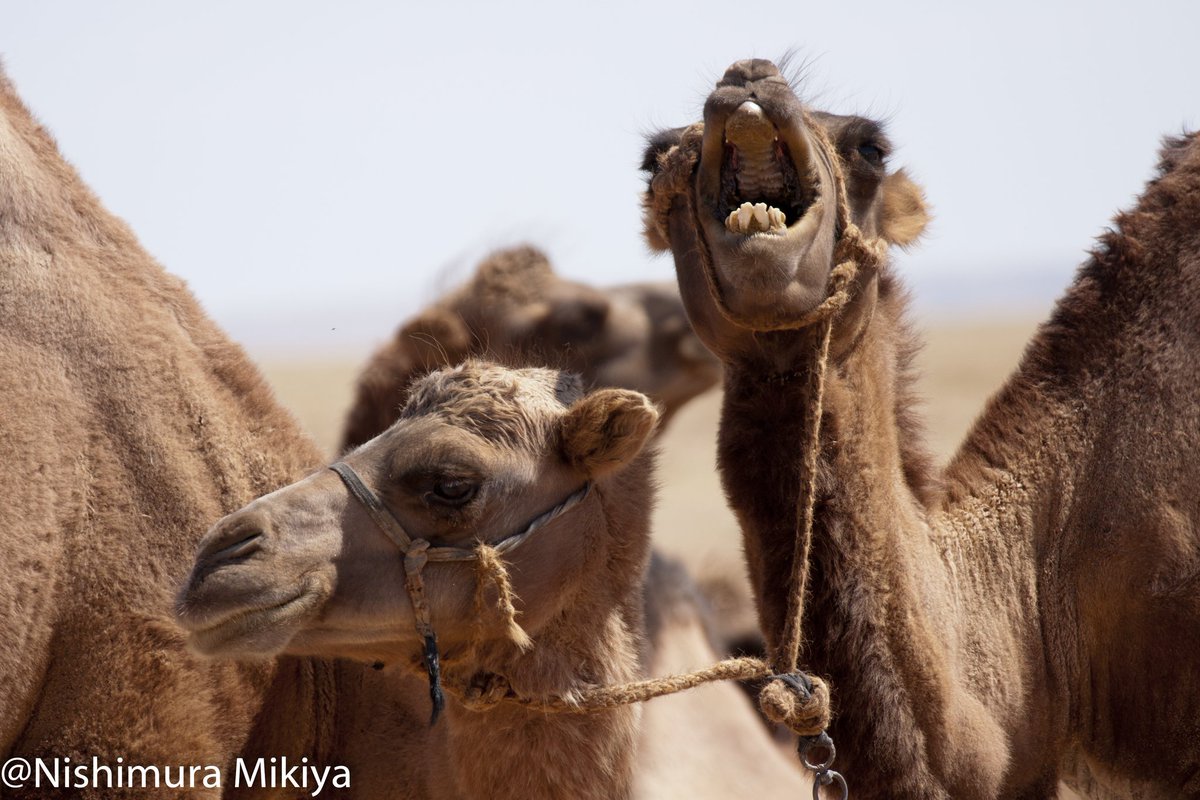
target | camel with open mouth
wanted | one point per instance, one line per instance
(1025, 615)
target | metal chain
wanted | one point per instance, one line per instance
(822, 774)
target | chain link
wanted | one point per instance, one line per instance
(822, 774)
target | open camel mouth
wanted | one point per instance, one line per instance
(765, 196)
(762, 187)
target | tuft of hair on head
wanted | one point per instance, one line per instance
(606, 430)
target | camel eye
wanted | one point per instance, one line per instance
(871, 153)
(452, 491)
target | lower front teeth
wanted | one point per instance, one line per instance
(756, 218)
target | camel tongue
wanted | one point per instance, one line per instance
(755, 138)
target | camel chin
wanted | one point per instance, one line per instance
(254, 632)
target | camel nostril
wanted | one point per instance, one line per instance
(239, 539)
(249, 543)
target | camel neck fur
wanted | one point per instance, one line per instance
(145, 421)
(532, 754)
(923, 598)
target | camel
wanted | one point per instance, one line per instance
(1026, 614)
(480, 456)
(517, 310)
(129, 420)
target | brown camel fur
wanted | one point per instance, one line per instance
(478, 451)
(516, 310)
(1030, 612)
(129, 420)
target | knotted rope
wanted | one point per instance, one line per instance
(490, 569)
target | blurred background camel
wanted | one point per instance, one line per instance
(518, 311)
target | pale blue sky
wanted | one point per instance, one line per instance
(318, 171)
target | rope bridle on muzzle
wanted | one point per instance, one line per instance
(418, 552)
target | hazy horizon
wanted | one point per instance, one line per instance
(317, 173)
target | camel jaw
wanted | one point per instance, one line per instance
(764, 198)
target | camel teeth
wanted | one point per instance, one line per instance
(745, 214)
(751, 218)
(778, 219)
(761, 216)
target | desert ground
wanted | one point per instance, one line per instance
(961, 366)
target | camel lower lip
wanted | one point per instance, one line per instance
(249, 623)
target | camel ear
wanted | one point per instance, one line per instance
(438, 337)
(606, 429)
(905, 213)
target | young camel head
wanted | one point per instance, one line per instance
(479, 452)
(756, 202)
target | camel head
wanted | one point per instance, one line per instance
(479, 451)
(518, 309)
(749, 204)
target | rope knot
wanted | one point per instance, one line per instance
(797, 701)
(416, 556)
(485, 691)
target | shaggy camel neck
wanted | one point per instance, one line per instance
(923, 614)
(511, 752)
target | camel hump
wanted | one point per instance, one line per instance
(514, 274)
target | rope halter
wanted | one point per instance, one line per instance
(419, 552)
